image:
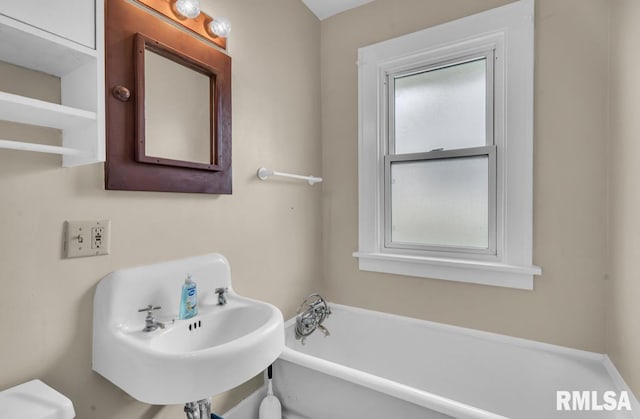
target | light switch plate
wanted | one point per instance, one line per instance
(87, 238)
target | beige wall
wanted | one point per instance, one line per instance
(623, 333)
(270, 231)
(567, 305)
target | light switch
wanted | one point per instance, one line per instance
(87, 238)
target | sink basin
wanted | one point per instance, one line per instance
(215, 328)
(187, 360)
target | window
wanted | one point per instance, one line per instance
(445, 151)
(440, 165)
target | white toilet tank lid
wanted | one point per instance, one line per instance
(35, 400)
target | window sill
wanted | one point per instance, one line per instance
(470, 271)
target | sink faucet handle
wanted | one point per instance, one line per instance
(150, 324)
(149, 308)
(222, 298)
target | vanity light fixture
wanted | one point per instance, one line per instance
(220, 26)
(187, 13)
(188, 8)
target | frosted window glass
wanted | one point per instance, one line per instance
(441, 202)
(443, 108)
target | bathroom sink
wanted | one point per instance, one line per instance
(187, 360)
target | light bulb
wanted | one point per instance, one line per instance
(188, 8)
(220, 26)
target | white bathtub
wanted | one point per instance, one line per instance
(376, 365)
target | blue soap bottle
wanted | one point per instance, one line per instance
(188, 299)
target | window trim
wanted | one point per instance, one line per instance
(509, 31)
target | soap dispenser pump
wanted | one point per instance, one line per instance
(188, 299)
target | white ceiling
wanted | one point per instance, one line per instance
(327, 8)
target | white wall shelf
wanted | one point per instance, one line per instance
(80, 115)
(30, 111)
(40, 148)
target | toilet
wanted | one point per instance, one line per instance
(34, 400)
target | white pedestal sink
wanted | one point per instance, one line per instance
(187, 360)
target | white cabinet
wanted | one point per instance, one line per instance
(64, 38)
(70, 19)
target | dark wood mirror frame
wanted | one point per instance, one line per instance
(129, 30)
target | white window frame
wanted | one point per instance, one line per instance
(506, 33)
(487, 149)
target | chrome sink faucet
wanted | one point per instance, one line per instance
(222, 295)
(150, 323)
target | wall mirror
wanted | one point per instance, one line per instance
(175, 115)
(168, 107)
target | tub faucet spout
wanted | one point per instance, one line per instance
(324, 330)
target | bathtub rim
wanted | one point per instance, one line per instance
(478, 334)
(430, 400)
